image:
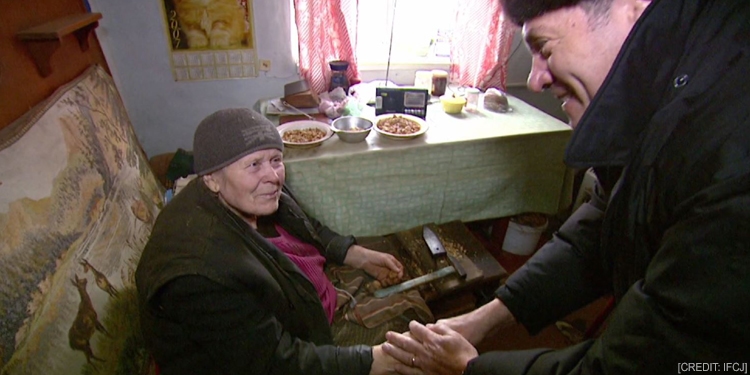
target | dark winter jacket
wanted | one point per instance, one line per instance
(217, 298)
(669, 236)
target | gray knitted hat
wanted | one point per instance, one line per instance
(227, 135)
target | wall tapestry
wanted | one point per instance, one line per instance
(211, 39)
(77, 203)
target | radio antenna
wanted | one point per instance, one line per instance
(390, 44)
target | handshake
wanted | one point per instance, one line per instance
(443, 348)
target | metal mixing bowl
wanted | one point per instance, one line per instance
(351, 129)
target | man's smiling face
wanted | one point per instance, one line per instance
(572, 51)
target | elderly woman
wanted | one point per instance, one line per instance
(232, 281)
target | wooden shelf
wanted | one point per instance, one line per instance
(44, 40)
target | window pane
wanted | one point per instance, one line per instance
(421, 31)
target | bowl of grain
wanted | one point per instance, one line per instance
(400, 126)
(351, 129)
(304, 133)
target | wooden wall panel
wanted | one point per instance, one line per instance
(21, 84)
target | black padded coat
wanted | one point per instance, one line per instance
(669, 236)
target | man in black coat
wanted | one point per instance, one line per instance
(659, 95)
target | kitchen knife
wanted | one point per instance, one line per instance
(415, 282)
(436, 248)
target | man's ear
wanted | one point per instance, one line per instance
(211, 182)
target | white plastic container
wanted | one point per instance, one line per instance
(522, 239)
(423, 79)
(472, 98)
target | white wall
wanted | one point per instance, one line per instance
(165, 113)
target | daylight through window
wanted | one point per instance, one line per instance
(422, 31)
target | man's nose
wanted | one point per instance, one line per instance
(540, 77)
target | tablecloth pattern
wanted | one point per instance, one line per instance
(471, 166)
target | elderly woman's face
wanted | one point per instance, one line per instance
(252, 184)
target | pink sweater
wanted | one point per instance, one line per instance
(309, 260)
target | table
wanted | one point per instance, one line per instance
(471, 166)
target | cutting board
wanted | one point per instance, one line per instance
(418, 259)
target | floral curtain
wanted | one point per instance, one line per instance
(327, 31)
(480, 45)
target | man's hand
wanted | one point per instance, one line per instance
(482, 322)
(435, 349)
(382, 266)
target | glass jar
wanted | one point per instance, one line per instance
(439, 82)
(338, 75)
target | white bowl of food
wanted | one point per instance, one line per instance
(304, 133)
(400, 126)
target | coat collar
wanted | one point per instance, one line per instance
(635, 87)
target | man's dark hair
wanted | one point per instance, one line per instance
(521, 11)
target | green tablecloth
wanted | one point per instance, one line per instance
(467, 167)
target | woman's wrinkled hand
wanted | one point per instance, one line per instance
(382, 266)
(384, 364)
(434, 348)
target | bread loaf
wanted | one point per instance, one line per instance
(496, 101)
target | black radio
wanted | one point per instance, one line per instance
(411, 101)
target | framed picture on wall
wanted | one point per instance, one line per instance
(211, 39)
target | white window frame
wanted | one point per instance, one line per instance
(401, 72)
(421, 14)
